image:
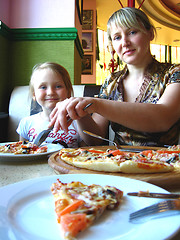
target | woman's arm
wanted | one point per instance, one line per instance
(138, 116)
(145, 116)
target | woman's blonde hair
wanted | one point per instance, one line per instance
(130, 18)
(56, 68)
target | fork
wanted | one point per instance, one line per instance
(116, 146)
(97, 136)
(161, 209)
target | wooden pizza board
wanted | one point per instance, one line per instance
(169, 181)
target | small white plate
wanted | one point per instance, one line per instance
(26, 157)
(27, 211)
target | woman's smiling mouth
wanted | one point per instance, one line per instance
(129, 52)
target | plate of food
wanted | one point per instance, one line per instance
(28, 209)
(13, 151)
(119, 160)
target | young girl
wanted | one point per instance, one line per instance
(141, 102)
(50, 83)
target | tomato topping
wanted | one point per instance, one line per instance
(148, 153)
(168, 151)
(72, 207)
(117, 152)
(73, 223)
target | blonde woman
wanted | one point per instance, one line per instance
(141, 102)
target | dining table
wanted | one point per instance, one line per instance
(12, 172)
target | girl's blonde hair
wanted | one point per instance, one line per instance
(130, 18)
(56, 68)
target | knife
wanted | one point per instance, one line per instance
(155, 195)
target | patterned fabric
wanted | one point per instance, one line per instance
(157, 77)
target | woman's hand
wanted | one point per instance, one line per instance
(69, 108)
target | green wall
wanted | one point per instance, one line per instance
(25, 54)
(21, 49)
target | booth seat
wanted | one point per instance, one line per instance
(20, 105)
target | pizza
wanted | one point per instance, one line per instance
(93, 159)
(78, 205)
(22, 147)
(149, 161)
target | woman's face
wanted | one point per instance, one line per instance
(131, 45)
(49, 88)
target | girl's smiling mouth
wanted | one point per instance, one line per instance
(52, 99)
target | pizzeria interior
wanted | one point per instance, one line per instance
(71, 33)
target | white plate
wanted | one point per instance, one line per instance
(27, 211)
(23, 157)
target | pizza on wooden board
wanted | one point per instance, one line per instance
(149, 161)
(22, 147)
(78, 205)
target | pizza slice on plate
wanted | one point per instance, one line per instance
(77, 205)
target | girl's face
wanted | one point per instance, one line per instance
(131, 45)
(49, 88)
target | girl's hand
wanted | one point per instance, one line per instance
(69, 108)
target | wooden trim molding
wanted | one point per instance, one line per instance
(39, 34)
(4, 30)
(44, 34)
